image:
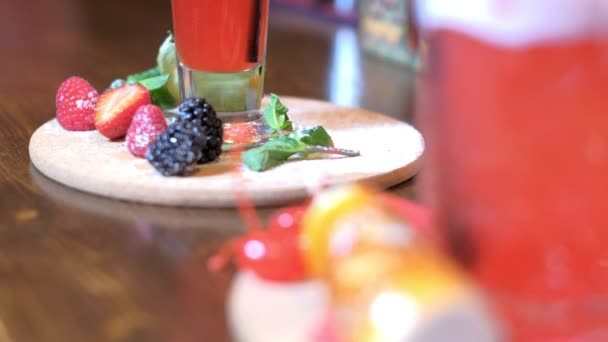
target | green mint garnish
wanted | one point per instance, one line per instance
(153, 72)
(313, 136)
(275, 152)
(154, 82)
(163, 98)
(162, 79)
(275, 115)
(157, 85)
(278, 148)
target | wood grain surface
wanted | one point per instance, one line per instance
(79, 267)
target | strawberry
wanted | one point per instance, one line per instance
(76, 99)
(148, 123)
(116, 107)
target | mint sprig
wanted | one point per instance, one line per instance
(161, 80)
(157, 84)
(275, 115)
(280, 147)
(313, 136)
(153, 72)
(278, 150)
(275, 152)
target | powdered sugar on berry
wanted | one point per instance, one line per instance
(75, 101)
(148, 124)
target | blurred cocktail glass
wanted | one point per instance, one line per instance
(221, 48)
(514, 110)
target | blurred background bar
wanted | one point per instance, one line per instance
(339, 10)
(383, 25)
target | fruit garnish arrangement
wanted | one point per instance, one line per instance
(175, 138)
(376, 256)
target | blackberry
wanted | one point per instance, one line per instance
(199, 112)
(178, 149)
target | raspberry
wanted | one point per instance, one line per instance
(76, 99)
(199, 112)
(176, 151)
(147, 125)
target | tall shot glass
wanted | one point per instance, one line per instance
(221, 48)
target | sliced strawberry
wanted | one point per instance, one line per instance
(116, 108)
(147, 125)
(75, 101)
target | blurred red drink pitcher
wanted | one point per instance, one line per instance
(514, 107)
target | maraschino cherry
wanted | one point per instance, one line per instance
(272, 254)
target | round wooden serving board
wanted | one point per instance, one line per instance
(390, 154)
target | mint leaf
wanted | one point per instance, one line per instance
(275, 115)
(278, 150)
(161, 96)
(275, 152)
(308, 143)
(313, 136)
(288, 125)
(155, 82)
(144, 75)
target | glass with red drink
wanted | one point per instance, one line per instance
(221, 47)
(514, 109)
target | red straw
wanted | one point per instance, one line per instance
(220, 259)
(246, 209)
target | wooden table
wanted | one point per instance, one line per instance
(76, 267)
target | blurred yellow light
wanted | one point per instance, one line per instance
(319, 220)
(394, 315)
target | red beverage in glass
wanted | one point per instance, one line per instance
(221, 45)
(514, 111)
(220, 35)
